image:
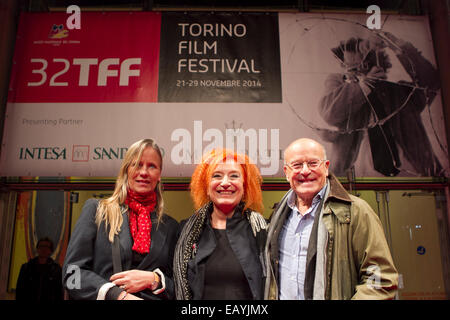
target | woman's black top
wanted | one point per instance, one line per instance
(224, 277)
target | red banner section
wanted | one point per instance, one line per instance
(104, 61)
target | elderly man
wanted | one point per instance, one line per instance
(324, 243)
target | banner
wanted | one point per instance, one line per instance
(254, 82)
(219, 58)
(103, 62)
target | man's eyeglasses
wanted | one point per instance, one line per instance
(312, 165)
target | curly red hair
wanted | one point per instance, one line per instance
(201, 178)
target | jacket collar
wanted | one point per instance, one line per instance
(337, 191)
(338, 201)
(158, 238)
(237, 216)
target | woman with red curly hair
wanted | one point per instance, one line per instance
(219, 251)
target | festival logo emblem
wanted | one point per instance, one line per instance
(58, 32)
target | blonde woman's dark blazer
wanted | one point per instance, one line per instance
(90, 254)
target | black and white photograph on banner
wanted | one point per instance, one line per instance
(378, 89)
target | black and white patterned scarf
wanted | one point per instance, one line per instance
(186, 248)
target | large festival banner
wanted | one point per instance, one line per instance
(249, 81)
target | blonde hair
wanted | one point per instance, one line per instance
(110, 210)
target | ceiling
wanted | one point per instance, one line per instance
(413, 7)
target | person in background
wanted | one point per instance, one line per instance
(219, 251)
(324, 243)
(132, 219)
(40, 278)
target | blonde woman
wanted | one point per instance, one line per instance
(132, 220)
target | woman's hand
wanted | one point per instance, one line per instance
(133, 280)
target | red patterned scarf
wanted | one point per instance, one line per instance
(141, 205)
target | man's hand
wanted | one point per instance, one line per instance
(376, 73)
